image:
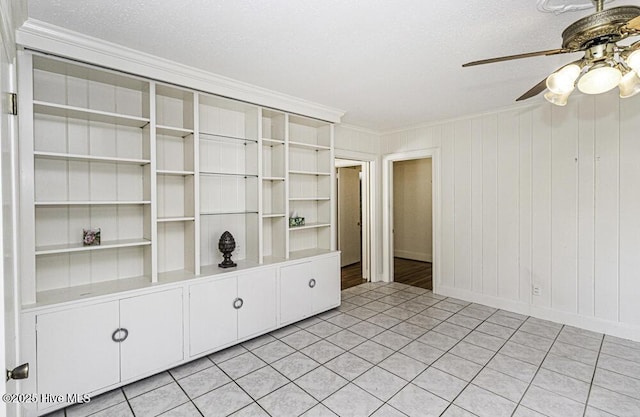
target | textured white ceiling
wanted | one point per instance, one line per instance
(389, 64)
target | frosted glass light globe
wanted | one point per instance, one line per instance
(629, 85)
(563, 80)
(599, 80)
(633, 60)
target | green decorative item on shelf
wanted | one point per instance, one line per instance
(91, 237)
(296, 221)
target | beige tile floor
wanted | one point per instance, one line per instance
(396, 350)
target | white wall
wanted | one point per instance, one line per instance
(412, 214)
(545, 196)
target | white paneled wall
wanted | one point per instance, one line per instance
(542, 196)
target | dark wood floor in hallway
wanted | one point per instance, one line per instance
(406, 271)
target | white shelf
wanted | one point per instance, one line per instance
(175, 219)
(91, 203)
(173, 131)
(226, 213)
(79, 247)
(309, 199)
(310, 173)
(272, 142)
(228, 174)
(273, 178)
(79, 292)
(310, 226)
(305, 253)
(215, 136)
(62, 110)
(273, 215)
(175, 173)
(90, 158)
(308, 146)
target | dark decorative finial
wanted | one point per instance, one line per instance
(227, 244)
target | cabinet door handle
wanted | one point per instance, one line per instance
(116, 333)
(312, 283)
(237, 303)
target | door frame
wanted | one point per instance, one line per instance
(387, 209)
(368, 163)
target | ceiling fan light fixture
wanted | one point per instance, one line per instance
(629, 85)
(563, 81)
(599, 79)
(557, 99)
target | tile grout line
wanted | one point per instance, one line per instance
(538, 370)
(593, 377)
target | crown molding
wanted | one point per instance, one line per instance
(361, 129)
(45, 37)
(510, 107)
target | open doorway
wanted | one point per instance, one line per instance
(353, 221)
(411, 217)
(413, 222)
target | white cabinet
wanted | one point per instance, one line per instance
(81, 350)
(155, 325)
(230, 309)
(308, 288)
(75, 350)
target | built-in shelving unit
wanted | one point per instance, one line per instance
(163, 171)
(310, 183)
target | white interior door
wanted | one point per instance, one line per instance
(349, 215)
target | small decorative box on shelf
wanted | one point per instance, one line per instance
(296, 221)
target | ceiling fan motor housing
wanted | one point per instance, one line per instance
(599, 28)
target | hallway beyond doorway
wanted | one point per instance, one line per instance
(406, 271)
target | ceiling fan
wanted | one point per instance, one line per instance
(605, 64)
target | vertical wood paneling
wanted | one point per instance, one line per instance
(541, 206)
(547, 197)
(490, 204)
(606, 211)
(524, 198)
(629, 211)
(448, 200)
(586, 204)
(507, 193)
(462, 198)
(476, 205)
(564, 136)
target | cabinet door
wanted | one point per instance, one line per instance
(326, 292)
(258, 293)
(75, 353)
(295, 294)
(155, 340)
(213, 321)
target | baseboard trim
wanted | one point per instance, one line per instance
(415, 256)
(622, 330)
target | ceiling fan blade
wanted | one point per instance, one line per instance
(519, 56)
(634, 23)
(537, 89)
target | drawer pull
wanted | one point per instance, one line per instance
(116, 335)
(237, 303)
(312, 283)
